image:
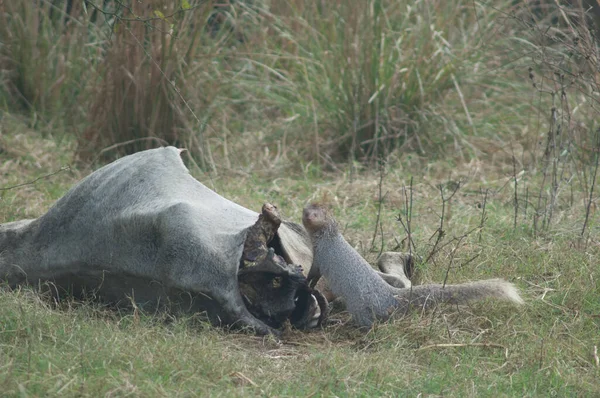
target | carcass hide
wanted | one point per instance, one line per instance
(143, 229)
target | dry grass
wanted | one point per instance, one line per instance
(276, 99)
(315, 83)
(139, 94)
(44, 61)
(543, 348)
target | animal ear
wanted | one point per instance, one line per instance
(295, 243)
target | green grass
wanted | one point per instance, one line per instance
(318, 83)
(443, 89)
(543, 348)
(87, 351)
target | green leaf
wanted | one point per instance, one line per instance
(185, 5)
(160, 15)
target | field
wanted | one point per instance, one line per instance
(475, 122)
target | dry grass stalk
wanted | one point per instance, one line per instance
(141, 88)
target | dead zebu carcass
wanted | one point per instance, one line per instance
(143, 229)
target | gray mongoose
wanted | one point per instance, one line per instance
(368, 297)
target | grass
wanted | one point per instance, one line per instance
(543, 348)
(290, 102)
(333, 83)
(136, 100)
(45, 59)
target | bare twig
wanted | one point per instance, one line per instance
(589, 203)
(382, 240)
(380, 205)
(64, 168)
(411, 244)
(440, 231)
(454, 345)
(457, 238)
(483, 215)
(408, 204)
(526, 202)
(562, 147)
(451, 262)
(137, 18)
(550, 145)
(516, 201)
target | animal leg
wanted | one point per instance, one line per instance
(238, 316)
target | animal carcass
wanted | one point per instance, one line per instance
(142, 229)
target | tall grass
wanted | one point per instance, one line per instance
(360, 80)
(45, 56)
(557, 55)
(332, 81)
(368, 74)
(140, 91)
(312, 81)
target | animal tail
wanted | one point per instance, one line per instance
(426, 296)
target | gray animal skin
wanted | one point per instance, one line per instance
(143, 229)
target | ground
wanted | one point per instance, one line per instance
(544, 348)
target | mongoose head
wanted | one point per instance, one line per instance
(317, 220)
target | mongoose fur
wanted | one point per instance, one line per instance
(367, 296)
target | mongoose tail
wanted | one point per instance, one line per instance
(426, 296)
